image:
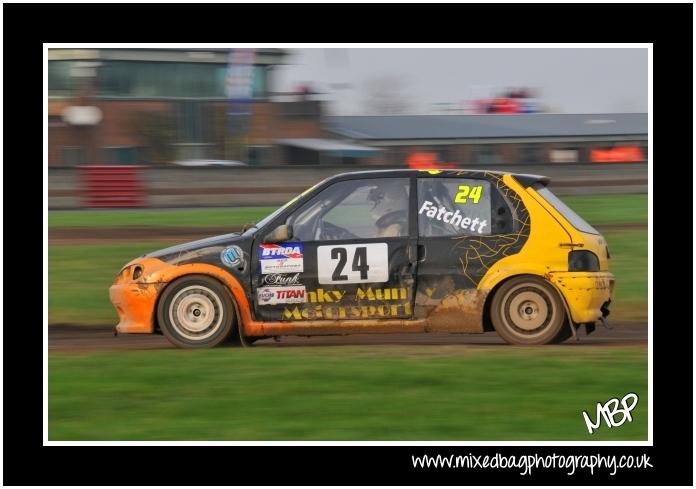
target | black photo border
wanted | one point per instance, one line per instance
(27, 26)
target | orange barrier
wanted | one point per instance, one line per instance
(113, 186)
(425, 161)
(617, 154)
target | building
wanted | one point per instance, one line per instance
(157, 106)
(499, 139)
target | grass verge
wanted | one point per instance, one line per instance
(596, 209)
(345, 393)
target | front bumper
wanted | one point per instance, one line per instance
(587, 293)
(135, 304)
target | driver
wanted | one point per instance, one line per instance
(389, 210)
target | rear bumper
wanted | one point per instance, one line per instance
(587, 294)
(135, 304)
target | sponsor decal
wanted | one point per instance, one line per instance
(468, 194)
(281, 279)
(324, 304)
(281, 295)
(265, 295)
(454, 218)
(370, 294)
(347, 312)
(281, 257)
(232, 256)
(353, 264)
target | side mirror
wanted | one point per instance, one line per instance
(279, 234)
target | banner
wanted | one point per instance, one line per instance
(239, 89)
(239, 83)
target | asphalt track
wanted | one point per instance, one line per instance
(73, 338)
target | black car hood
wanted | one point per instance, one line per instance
(188, 252)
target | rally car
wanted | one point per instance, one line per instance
(388, 251)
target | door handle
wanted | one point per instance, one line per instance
(421, 252)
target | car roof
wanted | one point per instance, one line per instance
(525, 179)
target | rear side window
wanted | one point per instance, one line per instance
(575, 220)
(454, 207)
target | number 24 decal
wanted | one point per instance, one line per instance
(353, 263)
(359, 263)
(473, 193)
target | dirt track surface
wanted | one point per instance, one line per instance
(71, 338)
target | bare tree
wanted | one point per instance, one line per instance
(386, 95)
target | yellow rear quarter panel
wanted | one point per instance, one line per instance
(542, 255)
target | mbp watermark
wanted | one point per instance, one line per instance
(610, 409)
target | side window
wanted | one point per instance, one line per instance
(354, 209)
(454, 207)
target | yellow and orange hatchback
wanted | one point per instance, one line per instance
(390, 251)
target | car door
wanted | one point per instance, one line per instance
(349, 258)
(464, 227)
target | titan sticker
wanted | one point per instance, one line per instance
(268, 296)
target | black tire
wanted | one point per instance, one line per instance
(196, 311)
(250, 340)
(527, 310)
(563, 334)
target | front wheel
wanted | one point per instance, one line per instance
(528, 311)
(196, 312)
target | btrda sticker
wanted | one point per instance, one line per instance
(281, 257)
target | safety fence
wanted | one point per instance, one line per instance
(161, 187)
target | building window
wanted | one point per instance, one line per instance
(122, 155)
(259, 155)
(190, 122)
(73, 155)
(488, 154)
(566, 154)
(398, 156)
(140, 79)
(443, 154)
(60, 81)
(531, 154)
(193, 151)
(56, 121)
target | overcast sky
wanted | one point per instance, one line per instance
(569, 80)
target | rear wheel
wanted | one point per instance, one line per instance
(196, 312)
(528, 311)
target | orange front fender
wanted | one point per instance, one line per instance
(137, 311)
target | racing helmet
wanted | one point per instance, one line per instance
(390, 203)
